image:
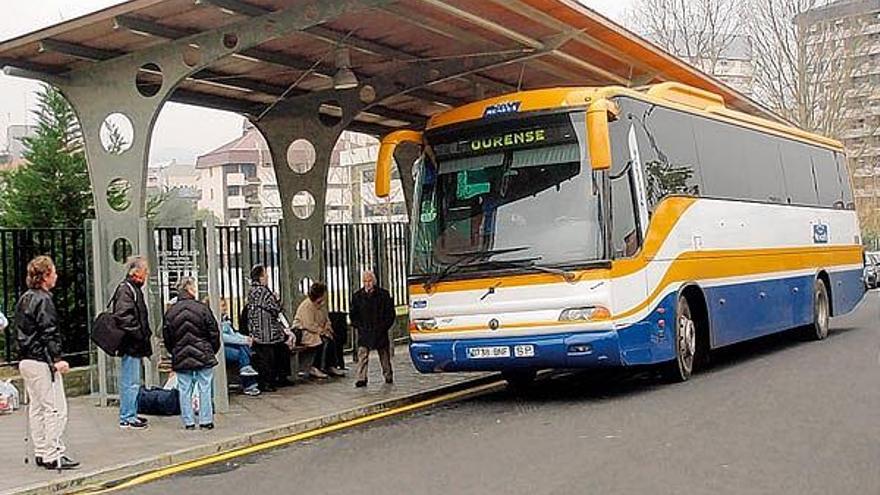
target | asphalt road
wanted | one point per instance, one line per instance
(776, 416)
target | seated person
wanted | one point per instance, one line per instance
(238, 350)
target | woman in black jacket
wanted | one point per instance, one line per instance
(41, 366)
(271, 354)
(192, 337)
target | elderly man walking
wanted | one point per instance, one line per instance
(372, 314)
(130, 310)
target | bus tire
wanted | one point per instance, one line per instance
(519, 379)
(818, 330)
(681, 368)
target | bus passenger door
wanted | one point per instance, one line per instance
(629, 214)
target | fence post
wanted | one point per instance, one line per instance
(221, 387)
(154, 301)
(100, 304)
(245, 247)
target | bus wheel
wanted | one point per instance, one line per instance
(821, 312)
(680, 369)
(519, 380)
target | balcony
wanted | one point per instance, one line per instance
(236, 180)
(236, 203)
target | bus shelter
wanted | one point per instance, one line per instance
(302, 71)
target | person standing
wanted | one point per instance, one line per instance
(130, 310)
(271, 354)
(41, 366)
(192, 337)
(372, 315)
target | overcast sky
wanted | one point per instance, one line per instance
(174, 136)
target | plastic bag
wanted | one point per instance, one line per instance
(9, 397)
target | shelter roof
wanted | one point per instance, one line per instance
(598, 52)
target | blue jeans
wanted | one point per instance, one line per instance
(187, 381)
(129, 385)
(241, 355)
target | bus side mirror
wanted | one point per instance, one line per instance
(599, 113)
(386, 157)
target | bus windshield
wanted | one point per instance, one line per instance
(520, 189)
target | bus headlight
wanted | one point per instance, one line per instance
(590, 313)
(424, 325)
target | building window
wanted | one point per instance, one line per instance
(249, 170)
(233, 190)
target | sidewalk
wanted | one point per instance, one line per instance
(108, 453)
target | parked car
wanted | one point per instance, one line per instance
(872, 270)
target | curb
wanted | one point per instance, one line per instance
(112, 475)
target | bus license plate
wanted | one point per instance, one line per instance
(525, 350)
(501, 351)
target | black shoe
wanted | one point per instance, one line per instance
(63, 463)
(134, 425)
(143, 420)
(360, 383)
(190, 427)
(38, 461)
(209, 426)
(389, 381)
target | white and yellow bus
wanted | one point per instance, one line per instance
(585, 227)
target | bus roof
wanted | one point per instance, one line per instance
(673, 95)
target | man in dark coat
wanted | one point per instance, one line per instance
(130, 309)
(373, 315)
(192, 337)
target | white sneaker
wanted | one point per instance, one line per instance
(316, 373)
(248, 371)
(252, 391)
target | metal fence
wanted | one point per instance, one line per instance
(348, 250)
(69, 248)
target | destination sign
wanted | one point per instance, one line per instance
(522, 138)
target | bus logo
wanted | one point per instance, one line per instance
(502, 108)
(420, 304)
(820, 233)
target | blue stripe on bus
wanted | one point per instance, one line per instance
(737, 312)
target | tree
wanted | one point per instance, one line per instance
(698, 31)
(52, 189)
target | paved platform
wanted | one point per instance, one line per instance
(108, 453)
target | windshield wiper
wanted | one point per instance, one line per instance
(466, 258)
(529, 263)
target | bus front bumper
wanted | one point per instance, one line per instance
(569, 350)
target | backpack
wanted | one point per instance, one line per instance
(106, 333)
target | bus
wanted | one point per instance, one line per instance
(605, 227)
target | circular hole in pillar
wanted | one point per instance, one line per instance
(230, 40)
(301, 156)
(367, 94)
(305, 249)
(303, 205)
(122, 250)
(304, 285)
(192, 55)
(330, 113)
(148, 80)
(118, 194)
(117, 134)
